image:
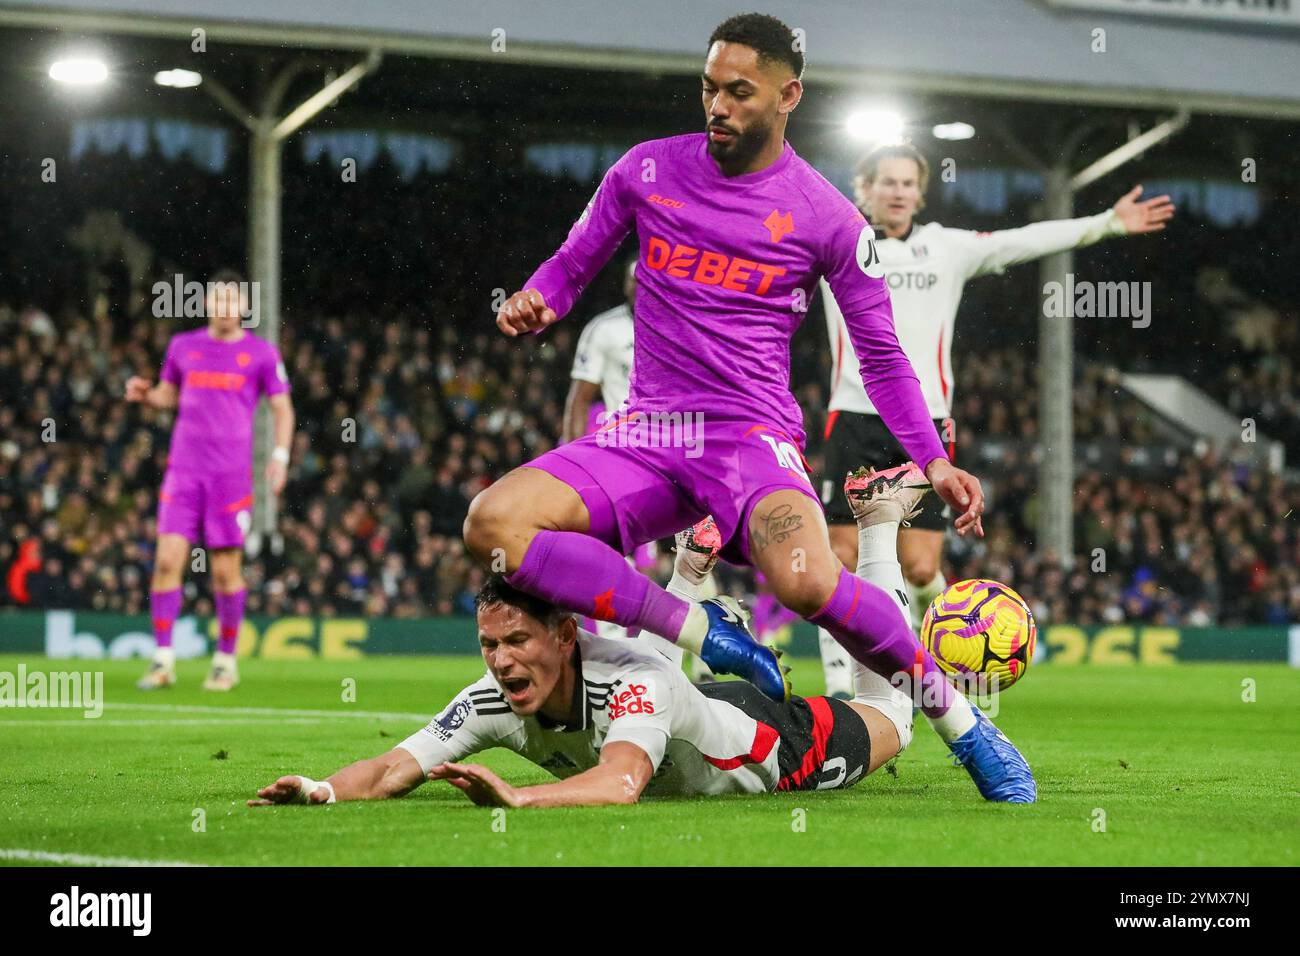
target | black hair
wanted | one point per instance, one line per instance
(497, 590)
(768, 36)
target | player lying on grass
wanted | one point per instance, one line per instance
(614, 719)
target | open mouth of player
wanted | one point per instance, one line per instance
(719, 135)
(516, 688)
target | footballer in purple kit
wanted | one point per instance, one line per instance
(214, 377)
(735, 231)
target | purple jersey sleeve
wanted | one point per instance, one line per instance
(274, 379)
(592, 240)
(170, 372)
(852, 268)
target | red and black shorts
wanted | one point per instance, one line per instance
(824, 744)
(854, 440)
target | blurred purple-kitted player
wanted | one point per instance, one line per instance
(214, 377)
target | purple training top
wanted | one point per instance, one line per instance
(726, 269)
(220, 383)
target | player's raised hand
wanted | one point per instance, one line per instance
(962, 491)
(137, 388)
(1150, 215)
(478, 783)
(289, 790)
(524, 311)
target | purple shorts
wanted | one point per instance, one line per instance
(214, 508)
(639, 485)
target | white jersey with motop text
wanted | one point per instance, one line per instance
(624, 692)
(925, 271)
(604, 356)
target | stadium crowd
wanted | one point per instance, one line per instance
(399, 427)
(409, 402)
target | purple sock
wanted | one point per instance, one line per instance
(866, 621)
(584, 575)
(230, 614)
(164, 607)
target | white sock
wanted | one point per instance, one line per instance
(837, 664)
(878, 563)
(687, 590)
(956, 720)
(694, 628)
(922, 595)
(165, 656)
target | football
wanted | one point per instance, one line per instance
(980, 632)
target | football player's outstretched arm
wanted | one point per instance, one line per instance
(549, 293)
(454, 734)
(392, 774)
(1130, 216)
(619, 778)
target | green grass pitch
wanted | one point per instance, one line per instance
(1184, 770)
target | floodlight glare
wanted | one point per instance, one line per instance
(953, 131)
(884, 127)
(180, 79)
(81, 71)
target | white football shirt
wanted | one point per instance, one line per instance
(604, 356)
(926, 271)
(625, 692)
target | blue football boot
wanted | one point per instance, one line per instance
(730, 648)
(994, 763)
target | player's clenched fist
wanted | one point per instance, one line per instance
(137, 388)
(524, 311)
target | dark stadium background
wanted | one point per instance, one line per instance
(387, 319)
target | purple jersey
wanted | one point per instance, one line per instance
(726, 268)
(219, 383)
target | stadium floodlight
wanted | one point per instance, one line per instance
(179, 79)
(881, 126)
(953, 131)
(79, 71)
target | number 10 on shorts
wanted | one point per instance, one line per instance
(787, 456)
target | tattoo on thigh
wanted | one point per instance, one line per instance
(774, 527)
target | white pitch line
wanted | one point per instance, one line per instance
(81, 859)
(268, 711)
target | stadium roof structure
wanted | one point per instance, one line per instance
(1196, 55)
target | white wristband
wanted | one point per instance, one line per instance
(281, 454)
(307, 786)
